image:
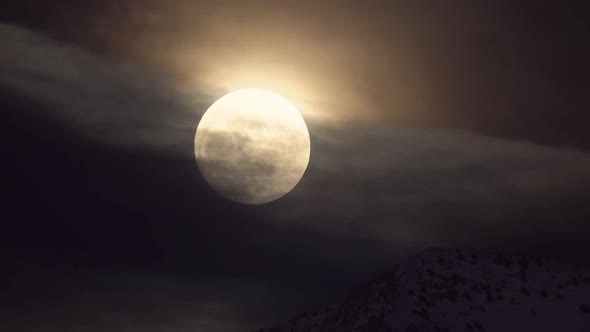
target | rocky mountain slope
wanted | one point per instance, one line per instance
(454, 290)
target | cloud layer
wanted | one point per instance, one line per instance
(371, 192)
(416, 187)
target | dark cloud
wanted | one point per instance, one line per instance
(119, 300)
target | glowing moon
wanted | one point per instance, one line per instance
(252, 146)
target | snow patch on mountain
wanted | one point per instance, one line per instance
(455, 290)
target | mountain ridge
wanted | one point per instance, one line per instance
(458, 290)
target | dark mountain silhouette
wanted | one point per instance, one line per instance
(448, 290)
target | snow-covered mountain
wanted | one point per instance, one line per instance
(454, 290)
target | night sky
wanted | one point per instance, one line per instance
(433, 124)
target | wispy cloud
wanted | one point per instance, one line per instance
(436, 187)
(115, 103)
(403, 185)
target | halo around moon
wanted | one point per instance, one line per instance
(252, 146)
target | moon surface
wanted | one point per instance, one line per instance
(252, 146)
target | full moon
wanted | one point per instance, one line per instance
(252, 146)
